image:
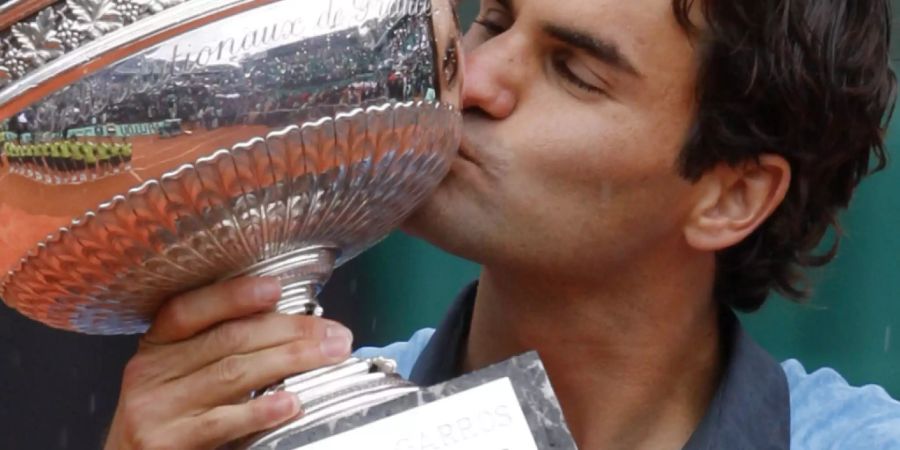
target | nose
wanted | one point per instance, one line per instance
(491, 79)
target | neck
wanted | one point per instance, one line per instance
(634, 364)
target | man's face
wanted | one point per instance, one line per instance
(576, 113)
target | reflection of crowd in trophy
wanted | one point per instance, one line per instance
(287, 85)
(65, 161)
(60, 158)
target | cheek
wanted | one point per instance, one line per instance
(576, 150)
(597, 179)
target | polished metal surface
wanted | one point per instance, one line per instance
(202, 139)
(148, 147)
(344, 184)
(12, 11)
(37, 31)
(333, 391)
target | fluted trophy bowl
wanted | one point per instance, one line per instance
(148, 147)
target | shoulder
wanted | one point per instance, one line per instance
(826, 412)
(404, 353)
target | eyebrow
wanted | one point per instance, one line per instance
(601, 49)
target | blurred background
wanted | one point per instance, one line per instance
(58, 390)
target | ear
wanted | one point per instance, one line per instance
(734, 201)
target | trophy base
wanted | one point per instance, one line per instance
(542, 425)
(330, 392)
(334, 392)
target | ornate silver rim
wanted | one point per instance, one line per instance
(58, 27)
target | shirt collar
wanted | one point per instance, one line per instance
(750, 410)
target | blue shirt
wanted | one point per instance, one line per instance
(758, 404)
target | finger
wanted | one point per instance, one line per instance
(243, 336)
(225, 424)
(261, 332)
(193, 312)
(233, 378)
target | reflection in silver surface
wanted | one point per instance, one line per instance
(289, 126)
(288, 63)
(167, 144)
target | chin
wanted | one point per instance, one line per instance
(451, 231)
(426, 222)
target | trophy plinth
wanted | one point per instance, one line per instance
(510, 405)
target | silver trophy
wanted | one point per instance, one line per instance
(153, 146)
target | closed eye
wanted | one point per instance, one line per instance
(493, 28)
(561, 66)
(495, 20)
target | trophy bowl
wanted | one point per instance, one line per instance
(149, 147)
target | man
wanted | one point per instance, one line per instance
(55, 159)
(28, 158)
(631, 172)
(90, 159)
(104, 158)
(126, 151)
(10, 151)
(66, 149)
(41, 160)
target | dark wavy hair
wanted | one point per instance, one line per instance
(809, 80)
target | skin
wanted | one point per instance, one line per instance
(596, 252)
(185, 388)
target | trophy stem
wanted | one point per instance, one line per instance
(330, 392)
(302, 274)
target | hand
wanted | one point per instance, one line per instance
(186, 388)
